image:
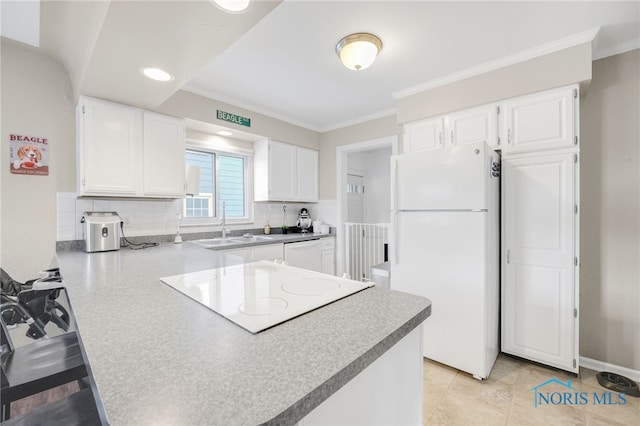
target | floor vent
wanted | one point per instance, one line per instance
(618, 383)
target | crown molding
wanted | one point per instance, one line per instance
(525, 55)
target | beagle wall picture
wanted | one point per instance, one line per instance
(29, 157)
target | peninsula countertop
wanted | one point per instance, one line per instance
(160, 357)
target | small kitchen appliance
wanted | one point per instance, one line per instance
(101, 231)
(304, 220)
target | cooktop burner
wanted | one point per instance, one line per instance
(310, 286)
(259, 295)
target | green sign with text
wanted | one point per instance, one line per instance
(232, 118)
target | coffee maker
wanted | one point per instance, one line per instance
(304, 220)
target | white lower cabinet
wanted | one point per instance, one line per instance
(328, 254)
(266, 252)
(540, 285)
(387, 392)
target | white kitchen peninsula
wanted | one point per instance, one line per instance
(160, 357)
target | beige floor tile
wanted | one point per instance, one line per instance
(506, 369)
(523, 412)
(463, 411)
(507, 397)
(627, 413)
(437, 379)
(491, 393)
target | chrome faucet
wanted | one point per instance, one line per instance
(223, 222)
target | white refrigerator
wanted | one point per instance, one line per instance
(445, 247)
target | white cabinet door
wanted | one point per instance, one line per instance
(284, 172)
(541, 122)
(307, 171)
(164, 151)
(267, 252)
(328, 262)
(423, 134)
(108, 148)
(540, 285)
(474, 125)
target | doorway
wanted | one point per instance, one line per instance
(356, 165)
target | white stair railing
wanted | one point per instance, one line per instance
(364, 247)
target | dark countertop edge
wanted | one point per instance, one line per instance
(304, 406)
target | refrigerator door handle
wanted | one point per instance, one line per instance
(394, 183)
(396, 235)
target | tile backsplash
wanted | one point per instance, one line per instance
(160, 217)
(141, 217)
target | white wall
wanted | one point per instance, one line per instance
(610, 214)
(37, 100)
(376, 167)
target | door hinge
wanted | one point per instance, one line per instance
(575, 93)
(508, 256)
(574, 363)
(575, 140)
(575, 261)
(575, 312)
(82, 181)
(575, 158)
(575, 209)
(498, 140)
(498, 109)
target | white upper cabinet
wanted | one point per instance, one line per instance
(127, 152)
(163, 146)
(284, 172)
(459, 128)
(423, 134)
(108, 148)
(474, 125)
(542, 121)
(307, 164)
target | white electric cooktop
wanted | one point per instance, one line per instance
(259, 295)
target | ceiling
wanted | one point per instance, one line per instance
(278, 58)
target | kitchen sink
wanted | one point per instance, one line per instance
(215, 242)
(251, 239)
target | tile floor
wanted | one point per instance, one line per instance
(452, 397)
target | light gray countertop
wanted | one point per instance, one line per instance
(159, 357)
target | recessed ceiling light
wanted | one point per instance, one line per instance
(234, 6)
(224, 133)
(156, 74)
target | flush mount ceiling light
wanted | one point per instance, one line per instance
(234, 6)
(156, 74)
(358, 51)
(224, 133)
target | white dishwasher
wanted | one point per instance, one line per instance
(304, 254)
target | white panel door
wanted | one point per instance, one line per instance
(541, 122)
(164, 156)
(539, 285)
(423, 134)
(307, 176)
(474, 125)
(111, 149)
(282, 171)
